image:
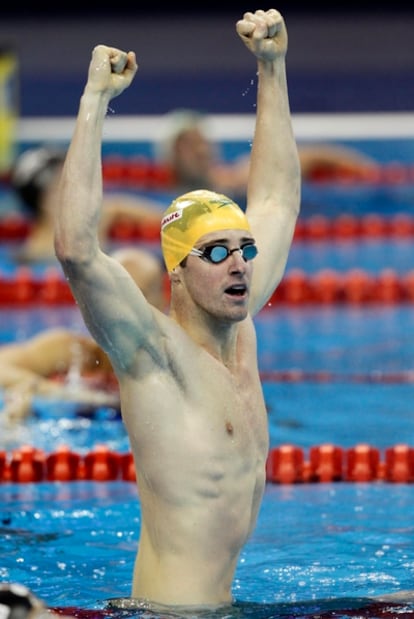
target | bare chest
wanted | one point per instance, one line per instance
(230, 405)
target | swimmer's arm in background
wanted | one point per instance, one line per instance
(118, 207)
(273, 192)
(335, 159)
(114, 309)
(50, 352)
(27, 369)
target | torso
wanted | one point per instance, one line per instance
(200, 456)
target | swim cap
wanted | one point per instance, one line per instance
(191, 216)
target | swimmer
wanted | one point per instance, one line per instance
(45, 365)
(41, 366)
(18, 602)
(191, 397)
(193, 160)
(34, 179)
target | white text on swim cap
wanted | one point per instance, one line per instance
(171, 217)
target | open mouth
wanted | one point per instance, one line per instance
(237, 290)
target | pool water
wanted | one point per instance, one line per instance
(316, 546)
(337, 374)
(341, 374)
(75, 544)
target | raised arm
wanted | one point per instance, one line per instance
(273, 193)
(113, 307)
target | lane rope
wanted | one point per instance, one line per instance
(318, 227)
(286, 464)
(327, 286)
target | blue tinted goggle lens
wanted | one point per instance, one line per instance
(219, 253)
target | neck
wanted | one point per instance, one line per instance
(215, 336)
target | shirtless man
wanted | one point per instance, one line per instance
(190, 391)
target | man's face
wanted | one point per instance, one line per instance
(221, 289)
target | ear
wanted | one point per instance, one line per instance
(175, 275)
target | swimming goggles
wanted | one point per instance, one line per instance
(220, 253)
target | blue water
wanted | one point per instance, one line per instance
(75, 543)
(371, 255)
(316, 546)
(337, 374)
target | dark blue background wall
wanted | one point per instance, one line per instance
(340, 59)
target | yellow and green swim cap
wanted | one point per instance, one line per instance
(191, 216)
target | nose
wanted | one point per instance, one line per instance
(236, 259)
(236, 250)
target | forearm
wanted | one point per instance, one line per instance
(274, 179)
(14, 376)
(80, 197)
(80, 194)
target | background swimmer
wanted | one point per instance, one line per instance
(35, 179)
(46, 364)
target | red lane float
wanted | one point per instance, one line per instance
(141, 172)
(350, 227)
(399, 463)
(286, 464)
(363, 463)
(327, 286)
(27, 288)
(325, 463)
(29, 464)
(344, 227)
(352, 287)
(63, 465)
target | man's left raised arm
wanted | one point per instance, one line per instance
(273, 192)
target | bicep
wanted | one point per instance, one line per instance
(273, 234)
(114, 309)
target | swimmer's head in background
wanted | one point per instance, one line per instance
(193, 215)
(17, 602)
(32, 173)
(174, 124)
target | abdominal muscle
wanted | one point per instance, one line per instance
(189, 546)
(200, 472)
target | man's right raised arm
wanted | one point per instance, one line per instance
(103, 289)
(80, 196)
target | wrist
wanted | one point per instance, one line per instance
(94, 101)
